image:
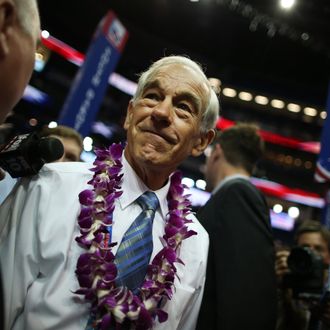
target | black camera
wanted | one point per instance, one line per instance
(306, 277)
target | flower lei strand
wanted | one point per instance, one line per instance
(96, 271)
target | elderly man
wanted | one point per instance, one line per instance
(139, 257)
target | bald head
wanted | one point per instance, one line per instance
(19, 35)
(28, 16)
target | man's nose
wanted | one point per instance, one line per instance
(314, 249)
(163, 111)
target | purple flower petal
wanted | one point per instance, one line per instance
(162, 316)
(170, 255)
(106, 322)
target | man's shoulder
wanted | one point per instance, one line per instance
(64, 178)
(196, 226)
(244, 182)
(66, 167)
(238, 185)
(63, 172)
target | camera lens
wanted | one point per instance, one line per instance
(300, 260)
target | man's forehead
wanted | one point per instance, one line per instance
(179, 77)
(311, 238)
(175, 71)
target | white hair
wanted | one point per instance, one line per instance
(210, 113)
(28, 16)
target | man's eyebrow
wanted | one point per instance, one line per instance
(152, 84)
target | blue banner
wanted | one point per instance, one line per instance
(322, 173)
(91, 81)
(326, 210)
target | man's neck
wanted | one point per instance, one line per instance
(153, 178)
(228, 171)
(231, 170)
(230, 175)
(224, 171)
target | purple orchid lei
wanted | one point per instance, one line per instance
(96, 271)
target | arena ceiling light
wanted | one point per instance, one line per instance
(279, 104)
(229, 92)
(263, 100)
(201, 184)
(52, 124)
(287, 4)
(294, 107)
(310, 111)
(245, 96)
(277, 208)
(293, 212)
(323, 114)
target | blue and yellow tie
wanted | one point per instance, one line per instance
(135, 249)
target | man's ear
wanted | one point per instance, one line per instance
(217, 151)
(203, 141)
(128, 114)
(7, 21)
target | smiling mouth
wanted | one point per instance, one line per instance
(165, 137)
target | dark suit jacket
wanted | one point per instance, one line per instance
(240, 290)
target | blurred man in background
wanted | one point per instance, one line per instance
(240, 290)
(72, 141)
(73, 146)
(296, 314)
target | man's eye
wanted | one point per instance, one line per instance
(184, 106)
(152, 96)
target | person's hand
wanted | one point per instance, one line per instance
(281, 264)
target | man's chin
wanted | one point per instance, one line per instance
(151, 156)
(155, 149)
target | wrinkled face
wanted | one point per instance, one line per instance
(316, 243)
(163, 125)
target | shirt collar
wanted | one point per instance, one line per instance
(229, 178)
(133, 187)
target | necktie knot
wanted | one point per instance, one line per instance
(148, 201)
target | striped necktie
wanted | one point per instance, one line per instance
(134, 252)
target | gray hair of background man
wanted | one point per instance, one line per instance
(28, 12)
(210, 114)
